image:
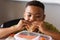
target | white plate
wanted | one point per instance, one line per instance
(26, 32)
(10, 38)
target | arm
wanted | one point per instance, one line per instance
(6, 31)
(55, 35)
(43, 29)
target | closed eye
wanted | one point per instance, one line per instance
(38, 16)
(29, 14)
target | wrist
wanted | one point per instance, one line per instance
(13, 28)
(18, 28)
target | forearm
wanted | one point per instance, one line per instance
(55, 35)
(6, 31)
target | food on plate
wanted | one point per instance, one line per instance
(25, 35)
(31, 37)
(42, 38)
(33, 28)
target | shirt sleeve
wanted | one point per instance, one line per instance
(51, 27)
(1, 26)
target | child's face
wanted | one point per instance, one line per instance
(34, 13)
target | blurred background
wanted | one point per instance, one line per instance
(14, 9)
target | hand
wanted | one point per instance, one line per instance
(23, 24)
(40, 26)
(32, 28)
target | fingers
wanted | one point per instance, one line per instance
(27, 24)
(20, 22)
(32, 28)
(27, 27)
(23, 24)
(39, 25)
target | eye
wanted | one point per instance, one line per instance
(38, 16)
(29, 15)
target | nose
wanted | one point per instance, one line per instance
(32, 18)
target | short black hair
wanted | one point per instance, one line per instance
(36, 3)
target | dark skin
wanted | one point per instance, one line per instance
(33, 15)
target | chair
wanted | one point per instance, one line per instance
(10, 23)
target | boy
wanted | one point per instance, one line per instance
(33, 19)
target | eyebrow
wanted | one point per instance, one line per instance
(29, 12)
(38, 13)
(35, 13)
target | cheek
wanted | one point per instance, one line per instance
(26, 18)
(39, 19)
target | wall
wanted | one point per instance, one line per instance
(53, 14)
(13, 10)
(50, 1)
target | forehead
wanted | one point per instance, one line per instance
(34, 10)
